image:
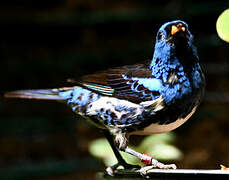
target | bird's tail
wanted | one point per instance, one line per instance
(43, 94)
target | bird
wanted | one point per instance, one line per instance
(154, 96)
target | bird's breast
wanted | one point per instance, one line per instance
(160, 128)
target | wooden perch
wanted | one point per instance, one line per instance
(159, 174)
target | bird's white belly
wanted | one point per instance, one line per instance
(157, 128)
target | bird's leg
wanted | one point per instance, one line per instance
(121, 162)
(149, 161)
(121, 142)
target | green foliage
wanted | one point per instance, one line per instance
(158, 145)
(222, 25)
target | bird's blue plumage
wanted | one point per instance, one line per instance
(78, 98)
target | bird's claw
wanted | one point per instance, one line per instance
(155, 164)
(113, 169)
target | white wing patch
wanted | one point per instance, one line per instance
(155, 105)
(106, 105)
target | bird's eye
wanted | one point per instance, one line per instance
(160, 36)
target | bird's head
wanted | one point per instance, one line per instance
(174, 42)
(174, 33)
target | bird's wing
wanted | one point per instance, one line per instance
(124, 83)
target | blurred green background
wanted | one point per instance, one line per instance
(42, 43)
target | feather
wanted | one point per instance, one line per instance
(117, 82)
(43, 94)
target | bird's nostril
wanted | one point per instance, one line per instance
(179, 25)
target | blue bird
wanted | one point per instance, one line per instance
(153, 97)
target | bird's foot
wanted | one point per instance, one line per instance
(113, 169)
(154, 164)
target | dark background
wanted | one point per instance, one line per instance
(43, 43)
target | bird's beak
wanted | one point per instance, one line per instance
(177, 28)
